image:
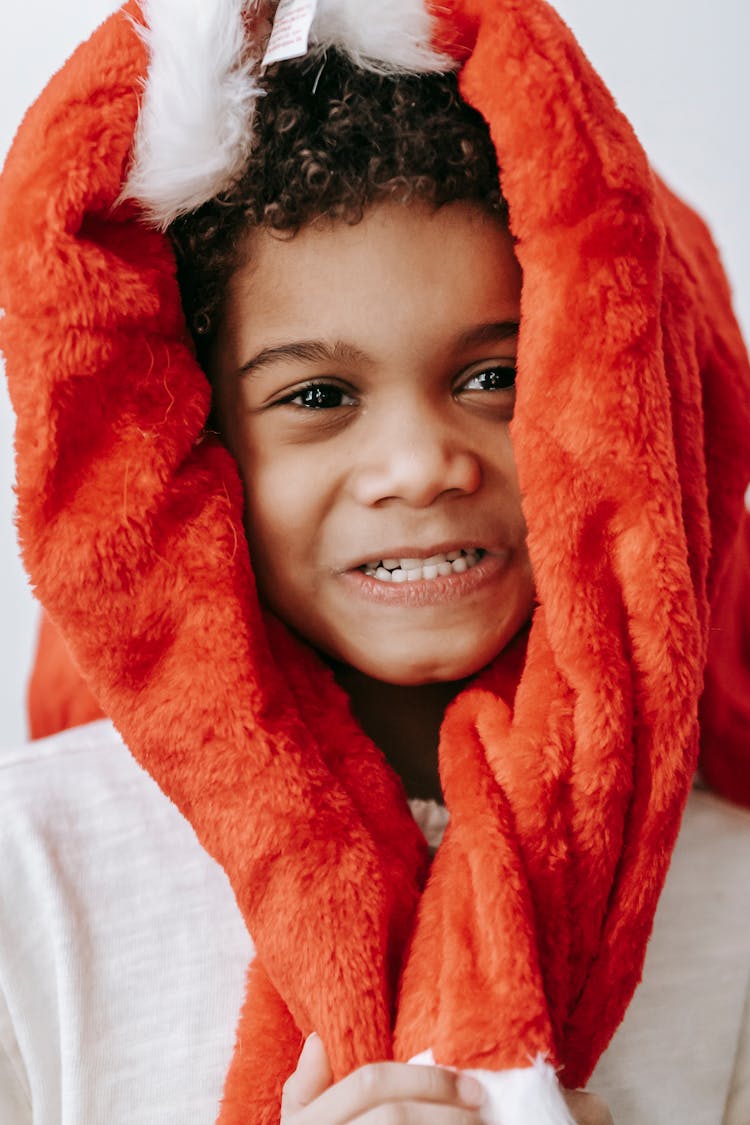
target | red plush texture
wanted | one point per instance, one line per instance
(566, 795)
(58, 696)
(725, 707)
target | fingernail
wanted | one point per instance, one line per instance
(470, 1091)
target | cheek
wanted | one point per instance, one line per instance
(502, 480)
(274, 514)
(276, 541)
(286, 501)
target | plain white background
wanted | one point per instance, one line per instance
(679, 69)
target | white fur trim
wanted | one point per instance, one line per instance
(194, 131)
(389, 36)
(521, 1096)
(193, 135)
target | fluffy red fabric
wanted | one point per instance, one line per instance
(58, 696)
(725, 706)
(631, 443)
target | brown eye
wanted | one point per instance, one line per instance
(319, 396)
(497, 378)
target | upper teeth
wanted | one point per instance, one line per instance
(412, 570)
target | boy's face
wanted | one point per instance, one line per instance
(364, 384)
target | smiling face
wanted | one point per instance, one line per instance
(364, 383)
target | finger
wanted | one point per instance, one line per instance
(423, 1113)
(587, 1109)
(380, 1083)
(312, 1076)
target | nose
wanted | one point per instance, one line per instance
(415, 458)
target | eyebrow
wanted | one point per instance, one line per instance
(306, 351)
(492, 333)
(320, 351)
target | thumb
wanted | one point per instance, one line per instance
(587, 1109)
(312, 1076)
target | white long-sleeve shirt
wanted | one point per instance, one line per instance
(123, 957)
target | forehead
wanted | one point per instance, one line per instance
(404, 273)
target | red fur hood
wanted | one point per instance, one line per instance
(630, 439)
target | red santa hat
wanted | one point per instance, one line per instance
(517, 953)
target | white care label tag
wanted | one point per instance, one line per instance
(291, 30)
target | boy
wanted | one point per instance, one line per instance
(363, 376)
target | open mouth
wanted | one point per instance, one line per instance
(417, 570)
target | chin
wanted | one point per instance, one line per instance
(417, 669)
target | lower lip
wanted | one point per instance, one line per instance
(428, 591)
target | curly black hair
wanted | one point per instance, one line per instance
(331, 139)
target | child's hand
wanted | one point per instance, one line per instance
(587, 1109)
(424, 1094)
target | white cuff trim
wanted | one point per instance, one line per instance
(529, 1095)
